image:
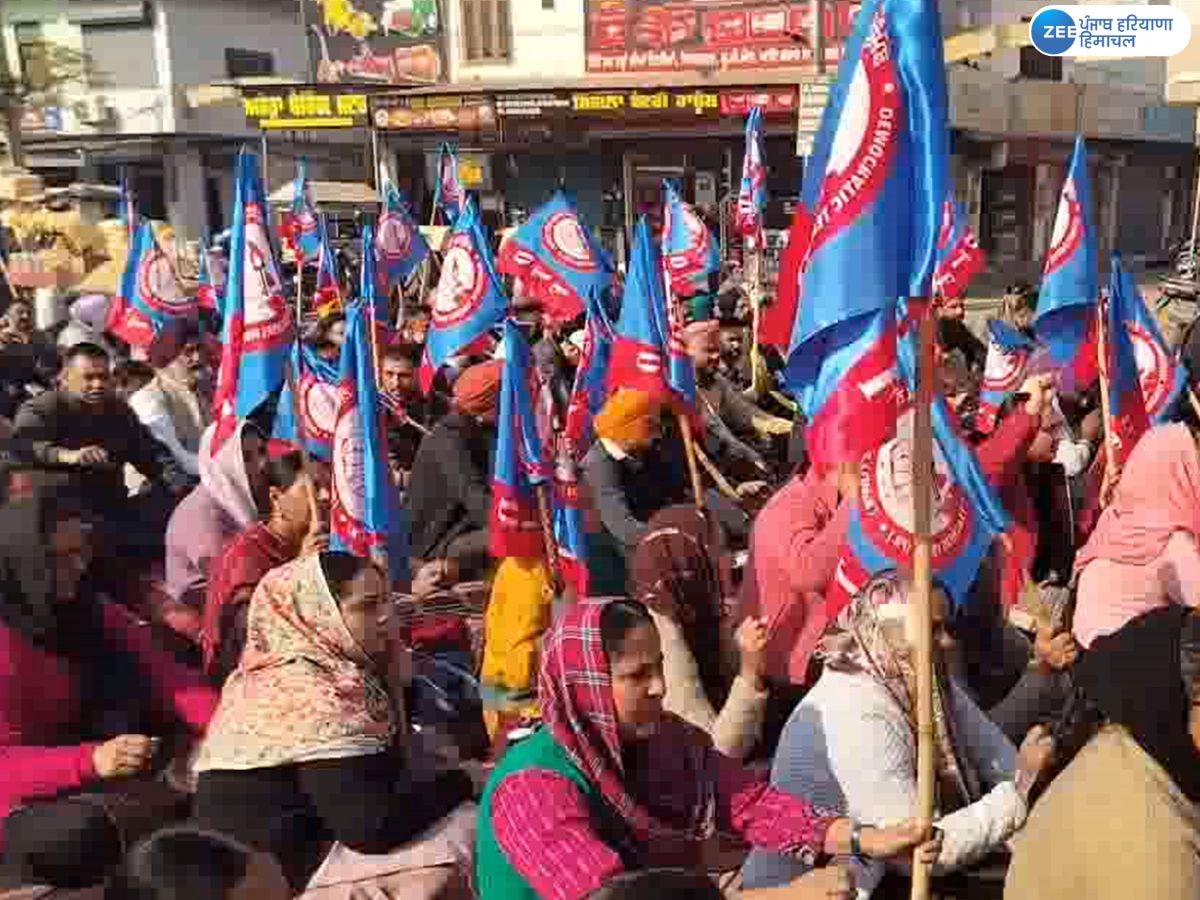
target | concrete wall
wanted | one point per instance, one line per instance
(198, 31)
(548, 44)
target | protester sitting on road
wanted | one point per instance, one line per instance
(303, 747)
(1121, 820)
(850, 745)
(295, 526)
(612, 783)
(233, 490)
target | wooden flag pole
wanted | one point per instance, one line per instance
(921, 601)
(756, 281)
(1110, 459)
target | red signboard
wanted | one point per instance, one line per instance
(710, 35)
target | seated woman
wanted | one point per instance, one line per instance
(191, 864)
(294, 527)
(1121, 820)
(611, 783)
(850, 744)
(1143, 553)
(231, 495)
(677, 575)
(302, 750)
(85, 695)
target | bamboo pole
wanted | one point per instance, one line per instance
(921, 602)
(1110, 459)
(756, 281)
(689, 450)
(714, 473)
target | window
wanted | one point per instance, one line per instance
(548, 4)
(487, 30)
(32, 56)
(1037, 66)
(120, 55)
(248, 63)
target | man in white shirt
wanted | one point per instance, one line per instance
(172, 406)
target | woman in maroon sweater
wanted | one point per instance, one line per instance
(85, 696)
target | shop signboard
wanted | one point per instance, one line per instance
(681, 105)
(434, 112)
(376, 41)
(712, 35)
(304, 107)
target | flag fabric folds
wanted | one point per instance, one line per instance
(1161, 376)
(959, 256)
(1003, 372)
(777, 320)
(361, 480)
(589, 390)
(752, 195)
(151, 298)
(1070, 292)
(967, 514)
(208, 290)
(515, 527)
(449, 196)
(874, 188)
(400, 248)
(690, 251)
(1129, 348)
(257, 330)
(569, 535)
(558, 261)
(327, 297)
(312, 391)
(468, 301)
(300, 226)
(648, 353)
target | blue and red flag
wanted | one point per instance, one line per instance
(874, 189)
(690, 251)
(468, 301)
(308, 404)
(151, 298)
(327, 297)
(569, 534)
(1160, 375)
(256, 330)
(1127, 346)
(1004, 371)
(515, 527)
(1070, 292)
(752, 195)
(959, 256)
(362, 484)
(648, 353)
(399, 245)
(449, 195)
(967, 514)
(777, 320)
(301, 231)
(589, 391)
(558, 261)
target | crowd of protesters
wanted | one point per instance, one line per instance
(198, 699)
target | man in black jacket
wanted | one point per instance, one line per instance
(88, 435)
(449, 497)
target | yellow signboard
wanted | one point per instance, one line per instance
(304, 107)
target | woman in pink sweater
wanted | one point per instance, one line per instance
(85, 696)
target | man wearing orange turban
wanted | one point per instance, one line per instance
(449, 496)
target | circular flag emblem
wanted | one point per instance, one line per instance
(349, 476)
(1154, 369)
(864, 144)
(460, 289)
(319, 405)
(1068, 228)
(394, 239)
(887, 501)
(158, 286)
(1004, 369)
(568, 244)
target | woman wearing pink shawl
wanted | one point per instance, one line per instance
(1144, 552)
(232, 491)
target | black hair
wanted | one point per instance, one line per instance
(402, 353)
(131, 370)
(655, 884)
(325, 325)
(340, 569)
(618, 619)
(1189, 656)
(285, 469)
(180, 864)
(85, 349)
